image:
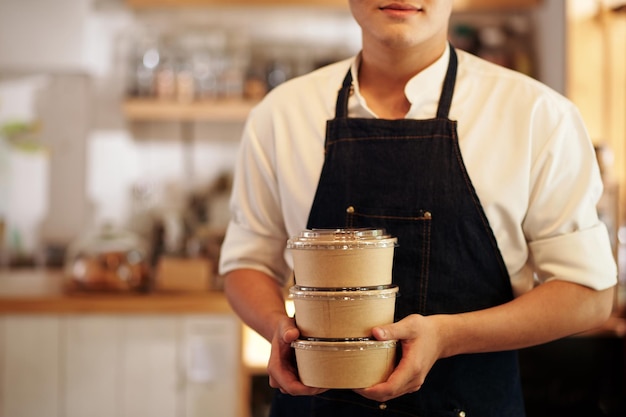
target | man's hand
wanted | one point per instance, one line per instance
(281, 366)
(420, 349)
(550, 311)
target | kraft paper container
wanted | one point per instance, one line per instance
(347, 313)
(344, 364)
(342, 258)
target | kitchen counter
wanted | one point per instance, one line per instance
(30, 291)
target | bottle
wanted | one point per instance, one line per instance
(147, 59)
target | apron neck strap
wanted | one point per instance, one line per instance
(445, 101)
(341, 110)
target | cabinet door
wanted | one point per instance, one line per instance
(29, 385)
(122, 366)
(92, 370)
(212, 366)
(149, 368)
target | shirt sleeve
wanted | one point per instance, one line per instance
(567, 241)
(256, 236)
(567, 257)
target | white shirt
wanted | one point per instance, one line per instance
(525, 148)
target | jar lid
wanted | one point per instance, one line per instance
(343, 345)
(346, 294)
(106, 239)
(340, 239)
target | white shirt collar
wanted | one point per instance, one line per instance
(423, 90)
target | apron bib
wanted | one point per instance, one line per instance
(408, 177)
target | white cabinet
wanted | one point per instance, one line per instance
(120, 365)
(30, 366)
(212, 364)
(91, 358)
(149, 383)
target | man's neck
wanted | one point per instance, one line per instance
(383, 77)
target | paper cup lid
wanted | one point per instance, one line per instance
(342, 239)
(358, 293)
(343, 345)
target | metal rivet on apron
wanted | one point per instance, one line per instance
(350, 210)
(461, 414)
(427, 215)
(382, 406)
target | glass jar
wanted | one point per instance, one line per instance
(110, 259)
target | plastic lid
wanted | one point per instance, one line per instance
(360, 293)
(342, 239)
(343, 345)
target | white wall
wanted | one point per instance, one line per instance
(36, 34)
(550, 18)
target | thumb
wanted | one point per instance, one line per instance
(290, 334)
(400, 330)
(385, 332)
(289, 331)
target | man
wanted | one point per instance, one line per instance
(487, 178)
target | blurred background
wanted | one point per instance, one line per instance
(119, 123)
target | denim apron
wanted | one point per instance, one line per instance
(408, 177)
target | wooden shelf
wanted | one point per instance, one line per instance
(483, 5)
(227, 110)
(459, 5)
(139, 4)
